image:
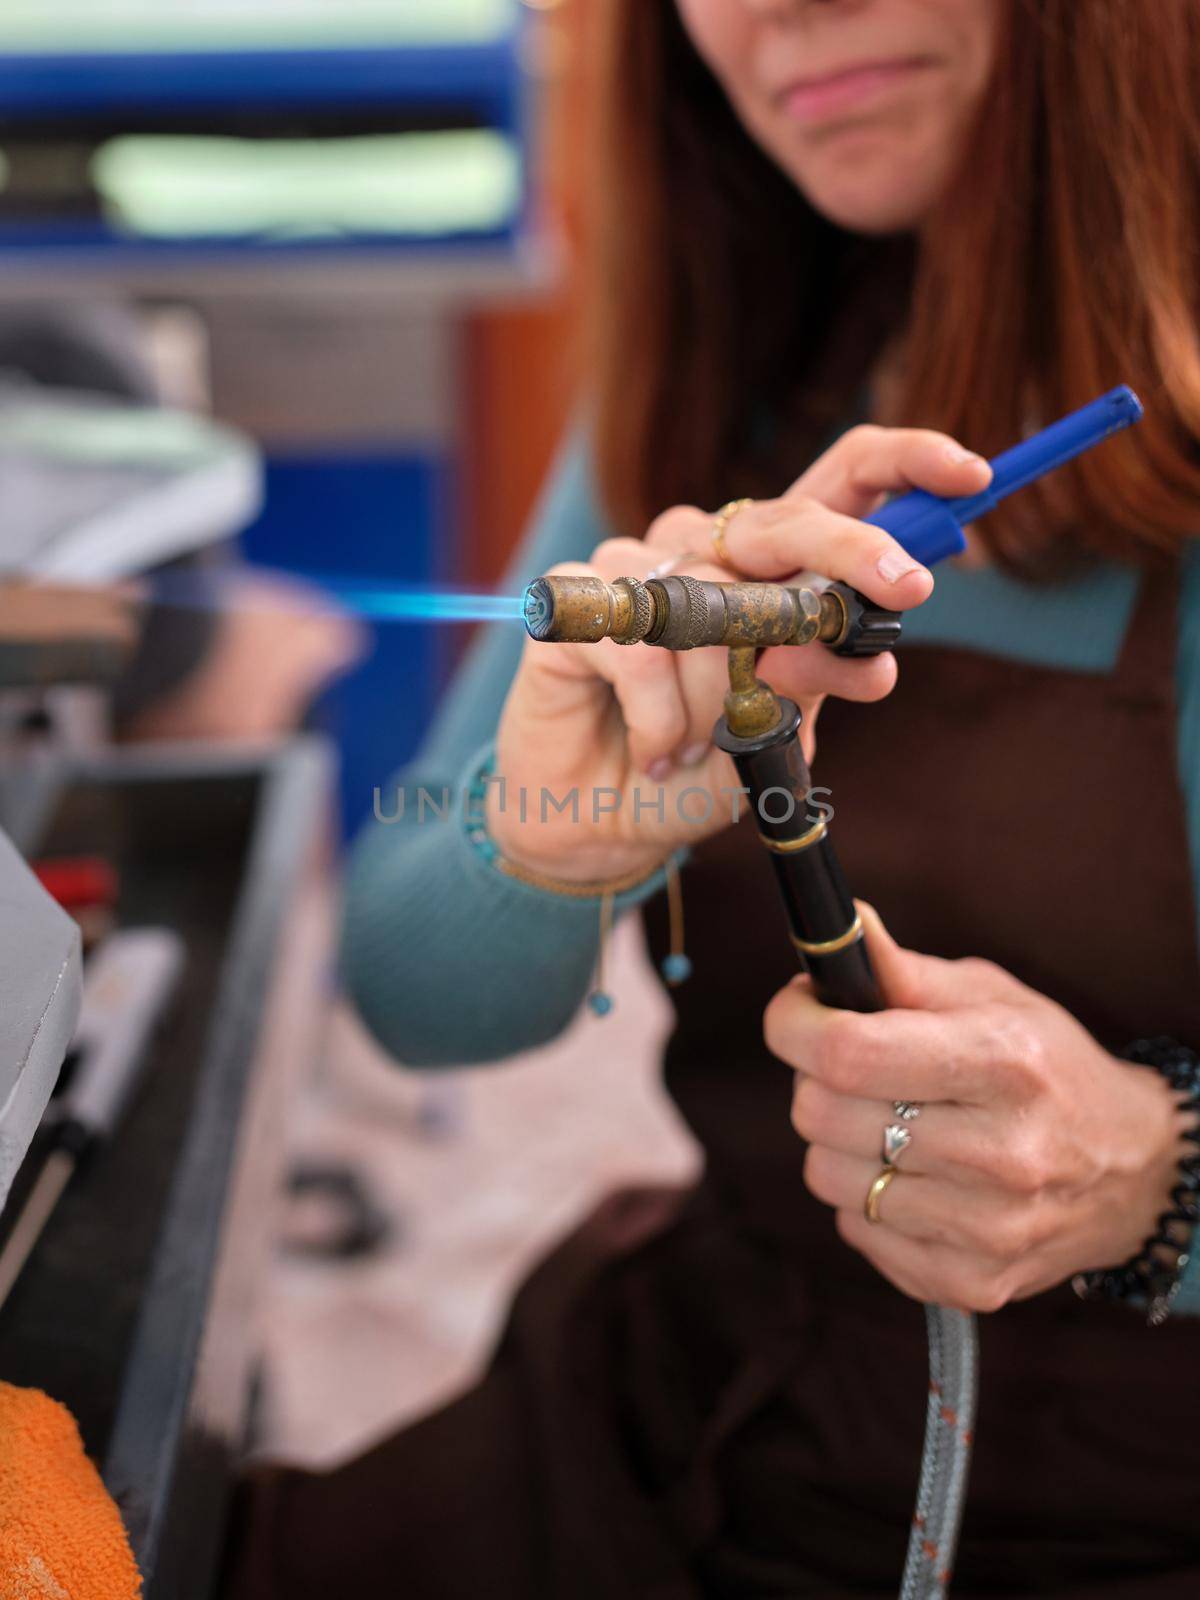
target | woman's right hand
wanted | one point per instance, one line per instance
(629, 729)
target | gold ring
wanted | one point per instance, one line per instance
(722, 520)
(875, 1194)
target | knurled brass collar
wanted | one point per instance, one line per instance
(633, 611)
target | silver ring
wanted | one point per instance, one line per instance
(896, 1140)
(906, 1110)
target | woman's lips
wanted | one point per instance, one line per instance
(817, 100)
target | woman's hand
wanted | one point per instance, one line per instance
(628, 730)
(1036, 1154)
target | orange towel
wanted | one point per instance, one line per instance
(60, 1533)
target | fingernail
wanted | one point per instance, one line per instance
(694, 754)
(959, 455)
(659, 769)
(895, 564)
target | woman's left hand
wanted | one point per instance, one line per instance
(1035, 1155)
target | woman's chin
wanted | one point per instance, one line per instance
(874, 210)
(871, 197)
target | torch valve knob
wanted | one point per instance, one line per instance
(870, 630)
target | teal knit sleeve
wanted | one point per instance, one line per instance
(1188, 691)
(441, 952)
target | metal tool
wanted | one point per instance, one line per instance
(683, 613)
(126, 988)
(760, 731)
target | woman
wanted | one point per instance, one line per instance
(970, 215)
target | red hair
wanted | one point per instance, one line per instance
(737, 329)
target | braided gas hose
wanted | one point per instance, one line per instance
(946, 1458)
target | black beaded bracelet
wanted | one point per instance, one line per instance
(1156, 1272)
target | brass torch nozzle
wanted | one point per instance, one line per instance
(681, 613)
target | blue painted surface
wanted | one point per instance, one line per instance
(470, 85)
(33, 86)
(383, 519)
(85, 242)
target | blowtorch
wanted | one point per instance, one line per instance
(760, 731)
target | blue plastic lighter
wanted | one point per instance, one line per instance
(931, 529)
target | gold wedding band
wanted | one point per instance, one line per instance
(722, 520)
(875, 1194)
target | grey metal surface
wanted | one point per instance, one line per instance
(450, 280)
(163, 1462)
(296, 374)
(29, 787)
(95, 489)
(40, 984)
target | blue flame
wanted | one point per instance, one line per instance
(422, 605)
(373, 601)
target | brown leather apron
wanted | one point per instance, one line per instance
(711, 1395)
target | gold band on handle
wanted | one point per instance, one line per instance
(876, 1193)
(830, 947)
(787, 847)
(720, 522)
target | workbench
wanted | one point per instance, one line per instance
(137, 1309)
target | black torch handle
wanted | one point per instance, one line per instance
(823, 921)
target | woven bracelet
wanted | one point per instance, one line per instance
(1155, 1273)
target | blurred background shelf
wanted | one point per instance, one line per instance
(356, 210)
(275, 127)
